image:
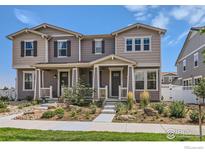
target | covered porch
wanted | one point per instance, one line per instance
(109, 77)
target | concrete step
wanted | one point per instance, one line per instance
(109, 111)
(110, 103)
(109, 107)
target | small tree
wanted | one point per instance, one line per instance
(199, 91)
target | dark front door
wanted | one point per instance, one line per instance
(63, 80)
(115, 82)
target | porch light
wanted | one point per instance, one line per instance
(55, 76)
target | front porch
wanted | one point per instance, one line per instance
(109, 78)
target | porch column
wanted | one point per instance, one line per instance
(96, 82)
(75, 75)
(37, 84)
(130, 80)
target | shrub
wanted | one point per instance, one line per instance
(3, 105)
(87, 115)
(93, 109)
(194, 116)
(22, 105)
(29, 98)
(35, 102)
(159, 107)
(73, 113)
(144, 99)
(48, 114)
(99, 103)
(4, 110)
(121, 108)
(4, 98)
(166, 112)
(177, 109)
(59, 112)
(130, 100)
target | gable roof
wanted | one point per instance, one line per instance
(44, 25)
(26, 30)
(112, 57)
(163, 31)
(169, 73)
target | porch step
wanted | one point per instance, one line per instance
(109, 107)
(109, 111)
(110, 103)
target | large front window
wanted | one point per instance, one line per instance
(139, 80)
(62, 48)
(28, 81)
(29, 49)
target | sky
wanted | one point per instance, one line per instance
(99, 20)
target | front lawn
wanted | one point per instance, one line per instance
(13, 134)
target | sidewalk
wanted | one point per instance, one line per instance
(98, 126)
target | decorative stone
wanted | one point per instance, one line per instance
(52, 106)
(126, 117)
(150, 111)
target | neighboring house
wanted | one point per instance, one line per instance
(169, 77)
(190, 66)
(47, 57)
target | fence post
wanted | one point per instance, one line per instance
(51, 92)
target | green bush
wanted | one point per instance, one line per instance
(4, 110)
(48, 114)
(130, 100)
(4, 98)
(93, 109)
(121, 108)
(35, 102)
(29, 98)
(59, 112)
(87, 115)
(144, 99)
(194, 116)
(159, 107)
(166, 112)
(177, 109)
(22, 105)
(73, 113)
(3, 105)
(99, 103)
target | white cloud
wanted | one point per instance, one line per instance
(26, 17)
(179, 38)
(134, 8)
(160, 21)
(191, 14)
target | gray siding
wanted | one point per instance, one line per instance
(86, 48)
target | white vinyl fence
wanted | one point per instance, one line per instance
(10, 93)
(177, 93)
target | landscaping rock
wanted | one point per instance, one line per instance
(150, 111)
(52, 106)
(29, 112)
(126, 117)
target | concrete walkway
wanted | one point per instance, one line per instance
(98, 126)
(103, 117)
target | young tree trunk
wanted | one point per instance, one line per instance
(200, 121)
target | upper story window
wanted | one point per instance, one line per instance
(146, 44)
(129, 44)
(184, 65)
(28, 48)
(28, 80)
(98, 46)
(140, 44)
(62, 48)
(196, 59)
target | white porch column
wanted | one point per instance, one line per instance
(131, 80)
(96, 82)
(75, 76)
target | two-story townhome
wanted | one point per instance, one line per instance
(47, 58)
(169, 77)
(190, 65)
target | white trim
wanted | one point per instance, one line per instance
(46, 50)
(39, 82)
(199, 76)
(42, 78)
(58, 41)
(22, 66)
(32, 72)
(191, 53)
(35, 86)
(61, 35)
(98, 39)
(62, 40)
(120, 69)
(141, 45)
(17, 84)
(63, 70)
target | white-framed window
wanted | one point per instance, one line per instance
(196, 59)
(184, 65)
(28, 48)
(129, 44)
(139, 80)
(28, 80)
(146, 79)
(138, 44)
(62, 48)
(197, 79)
(146, 46)
(187, 82)
(98, 46)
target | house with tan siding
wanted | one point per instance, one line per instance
(48, 58)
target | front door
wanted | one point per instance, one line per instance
(115, 82)
(63, 80)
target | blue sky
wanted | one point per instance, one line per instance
(96, 20)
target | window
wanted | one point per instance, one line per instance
(151, 80)
(196, 59)
(137, 44)
(187, 82)
(28, 80)
(98, 46)
(29, 49)
(197, 80)
(62, 48)
(129, 44)
(184, 65)
(146, 79)
(139, 80)
(146, 44)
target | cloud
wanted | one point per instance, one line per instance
(160, 20)
(191, 14)
(134, 8)
(179, 38)
(27, 17)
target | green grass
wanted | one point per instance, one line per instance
(13, 134)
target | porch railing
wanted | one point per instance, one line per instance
(103, 92)
(46, 92)
(122, 92)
